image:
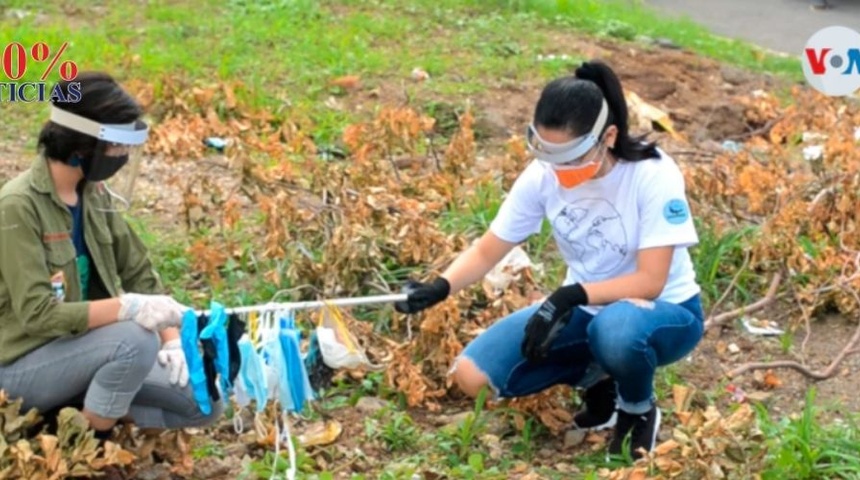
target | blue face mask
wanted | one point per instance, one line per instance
(196, 374)
(252, 374)
(297, 376)
(216, 330)
(278, 364)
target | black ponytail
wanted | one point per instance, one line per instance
(574, 103)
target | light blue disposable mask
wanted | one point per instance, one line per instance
(296, 374)
(279, 368)
(252, 374)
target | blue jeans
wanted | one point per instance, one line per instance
(627, 339)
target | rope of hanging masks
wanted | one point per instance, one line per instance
(269, 363)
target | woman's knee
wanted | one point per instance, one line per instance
(469, 378)
(615, 333)
(137, 342)
(198, 419)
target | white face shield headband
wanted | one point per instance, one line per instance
(569, 152)
(116, 155)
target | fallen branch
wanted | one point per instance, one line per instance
(763, 130)
(848, 349)
(717, 320)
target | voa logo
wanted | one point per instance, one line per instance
(831, 61)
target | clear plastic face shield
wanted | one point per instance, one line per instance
(570, 160)
(116, 158)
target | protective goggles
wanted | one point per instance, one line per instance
(568, 153)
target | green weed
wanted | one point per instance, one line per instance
(459, 443)
(271, 465)
(398, 432)
(211, 449)
(802, 447)
(718, 258)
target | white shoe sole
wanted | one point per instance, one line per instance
(656, 430)
(603, 426)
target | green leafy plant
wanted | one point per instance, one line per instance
(398, 432)
(804, 447)
(459, 443)
(718, 258)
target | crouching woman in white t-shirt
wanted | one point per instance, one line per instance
(630, 302)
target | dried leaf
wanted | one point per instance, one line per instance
(321, 433)
(771, 380)
(682, 396)
(666, 447)
(348, 82)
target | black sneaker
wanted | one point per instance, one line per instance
(599, 412)
(641, 429)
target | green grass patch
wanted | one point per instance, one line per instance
(718, 259)
(632, 20)
(802, 446)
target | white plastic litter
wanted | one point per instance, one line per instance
(813, 137)
(508, 270)
(761, 327)
(338, 346)
(337, 355)
(813, 152)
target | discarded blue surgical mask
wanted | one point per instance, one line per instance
(278, 367)
(216, 330)
(240, 395)
(252, 374)
(297, 376)
(196, 374)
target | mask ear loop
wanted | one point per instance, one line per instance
(238, 423)
(277, 450)
(260, 426)
(259, 422)
(291, 450)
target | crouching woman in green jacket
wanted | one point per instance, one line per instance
(81, 320)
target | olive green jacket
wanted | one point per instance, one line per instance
(36, 251)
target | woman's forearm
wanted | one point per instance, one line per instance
(475, 262)
(103, 312)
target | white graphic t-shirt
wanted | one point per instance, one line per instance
(600, 225)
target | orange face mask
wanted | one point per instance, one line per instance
(573, 176)
(570, 176)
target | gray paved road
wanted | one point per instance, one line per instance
(781, 25)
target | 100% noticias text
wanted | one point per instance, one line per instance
(16, 61)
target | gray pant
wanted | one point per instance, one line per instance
(112, 371)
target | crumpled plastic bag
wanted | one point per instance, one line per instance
(508, 270)
(338, 346)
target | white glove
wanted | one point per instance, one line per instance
(152, 312)
(172, 356)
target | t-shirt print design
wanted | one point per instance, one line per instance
(594, 230)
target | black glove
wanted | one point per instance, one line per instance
(423, 295)
(550, 319)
